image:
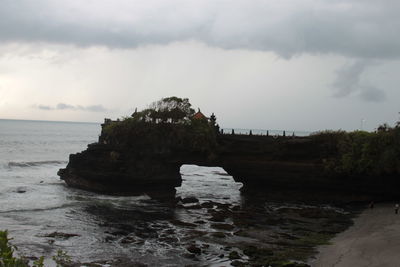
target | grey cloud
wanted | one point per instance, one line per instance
(348, 78)
(43, 107)
(366, 29)
(63, 106)
(95, 108)
(348, 81)
(372, 94)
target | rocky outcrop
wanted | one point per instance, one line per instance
(144, 158)
(137, 157)
(295, 167)
(107, 169)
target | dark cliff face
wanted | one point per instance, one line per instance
(140, 157)
(299, 167)
(146, 157)
(108, 169)
(267, 161)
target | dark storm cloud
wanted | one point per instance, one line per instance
(365, 29)
(348, 81)
(63, 106)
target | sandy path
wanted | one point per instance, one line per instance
(373, 240)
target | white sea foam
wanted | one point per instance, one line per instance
(23, 164)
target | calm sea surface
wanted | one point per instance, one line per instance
(34, 202)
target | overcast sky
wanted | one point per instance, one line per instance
(296, 65)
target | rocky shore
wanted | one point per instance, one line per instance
(260, 233)
(285, 179)
(146, 158)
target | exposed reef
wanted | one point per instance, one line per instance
(144, 153)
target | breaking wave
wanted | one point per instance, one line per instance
(25, 164)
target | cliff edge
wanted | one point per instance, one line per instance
(144, 153)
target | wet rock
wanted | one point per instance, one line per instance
(181, 223)
(109, 238)
(195, 234)
(208, 205)
(146, 233)
(238, 264)
(253, 251)
(60, 235)
(189, 256)
(223, 206)
(218, 235)
(179, 206)
(295, 264)
(235, 208)
(210, 211)
(234, 255)
(219, 216)
(193, 207)
(223, 226)
(193, 249)
(187, 200)
(169, 231)
(288, 236)
(240, 233)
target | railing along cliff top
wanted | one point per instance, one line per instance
(260, 132)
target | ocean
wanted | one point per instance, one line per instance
(43, 215)
(35, 205)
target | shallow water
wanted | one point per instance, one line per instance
(35, 203)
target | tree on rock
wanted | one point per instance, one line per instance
(171, 109)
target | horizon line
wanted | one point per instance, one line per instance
(49, 121)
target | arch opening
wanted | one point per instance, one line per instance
(212, 184)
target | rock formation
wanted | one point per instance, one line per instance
(139, 155)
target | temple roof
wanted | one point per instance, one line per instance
(199, 115)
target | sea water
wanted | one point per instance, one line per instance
(34, 202)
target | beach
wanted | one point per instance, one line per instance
(373, 240)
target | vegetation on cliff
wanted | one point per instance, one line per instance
(362, 153)
(170, 125)
(167, 124)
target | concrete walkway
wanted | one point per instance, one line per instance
(373, 240)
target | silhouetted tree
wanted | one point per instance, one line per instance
(172, 108)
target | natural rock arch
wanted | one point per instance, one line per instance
(137, 155)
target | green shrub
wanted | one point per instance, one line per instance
(360, 152)
(7, 258)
